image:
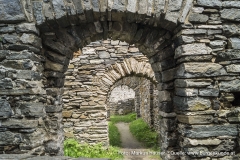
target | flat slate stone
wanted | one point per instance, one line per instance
(231, 14)
(210, 3)
(205, 131)
(191, 103)
(11, 11)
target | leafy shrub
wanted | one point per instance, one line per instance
(144, 134)
(114, 135)
(123, 118)
(73, 149)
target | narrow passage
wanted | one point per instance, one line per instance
(131, 148)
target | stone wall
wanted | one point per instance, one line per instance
(192, 46)
(145, 95)
(122, 92)
(85, 105)
(121, 100)
(122, 107)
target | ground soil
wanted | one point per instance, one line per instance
(131, 148)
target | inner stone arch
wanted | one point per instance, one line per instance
(88, 80)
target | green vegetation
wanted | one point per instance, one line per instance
(144, 134)
(114, 135)
(73, 149)
(123, 118)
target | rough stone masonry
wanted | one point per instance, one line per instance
(192, 46)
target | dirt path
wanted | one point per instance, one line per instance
(131, 148)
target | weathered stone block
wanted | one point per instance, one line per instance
(103, 54)
(6, 83)
(203, 119)
(230, 86)
(231, 4)
(11, 38)
(164, 96)
(234, 68)
(168, 124)
(234, 43)
(198, 83)
(10, 138)
(211, 92)
(189, 70)
(218, 44)
(196, 151)
(27, 28)
(53, 108)
(231, 29)
(206, 142)
(18, 64)
(232, 14)
(7, 29)
(67, 114)
(212, 3)
(52, 147)
(23, 55)
(168, 75)
(191, 103)
(5, 109)
(11, 11)
(19, 123)
(197, 18)
(166, 107)
(186, 92)
(206, 131)
(229, 54)
(54, 66)
(31, 109)
(228, 145)
(31, 39)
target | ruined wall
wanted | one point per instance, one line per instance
(144, 97)
(121, 100)
(192, 45)
(85, 105)
(206, 78)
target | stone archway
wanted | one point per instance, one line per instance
(85, 97)
(146, 98)
(203, 34)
